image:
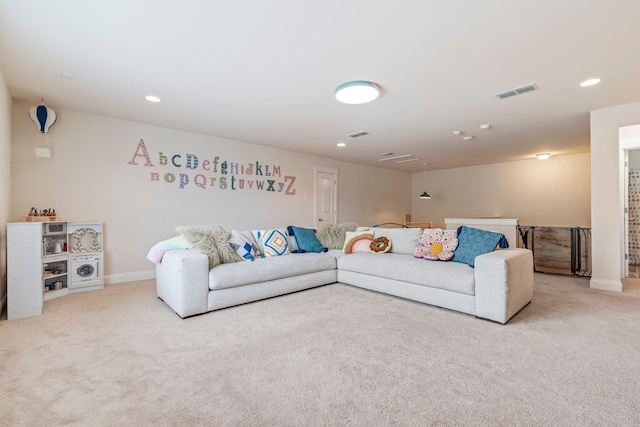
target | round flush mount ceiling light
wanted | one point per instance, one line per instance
(152, 98)
(357, 92)
(341, 144)
(543, 156)
(590, 82)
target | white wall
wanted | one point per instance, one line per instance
(552, 192)
(607, 192)
(5, 188)
(89, 178)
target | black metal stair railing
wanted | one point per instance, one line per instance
(558, 250)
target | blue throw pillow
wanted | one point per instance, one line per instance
(473, 242)
(306, 239)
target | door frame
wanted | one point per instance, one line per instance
(335, 172)
(624, 145)
(625, 211)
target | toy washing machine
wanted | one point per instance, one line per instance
(86, 270)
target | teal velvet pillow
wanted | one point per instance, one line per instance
(305, 239)
(473, 242)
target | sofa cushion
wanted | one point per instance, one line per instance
(305, 239)
(403, 240)
(211, 241)
(436, 245)
(272, 242)
(332, 235)
(243, 246)
(473, 242)
(443, 275)
(357, 241)
(271, 268)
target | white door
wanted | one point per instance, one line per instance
(326, 195)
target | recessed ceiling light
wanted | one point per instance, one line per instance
(341, 144)
(543, 156)
(152, 98)
(468, 137)
(590, 82)
(357, 92)
(485, 126)
(394, 157)
(457, 132)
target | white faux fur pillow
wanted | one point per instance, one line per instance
(213, 241)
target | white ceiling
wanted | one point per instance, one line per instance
(265, 71)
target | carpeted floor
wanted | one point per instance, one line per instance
(330, 356)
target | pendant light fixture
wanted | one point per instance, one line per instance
(357, 92)
(424, 194)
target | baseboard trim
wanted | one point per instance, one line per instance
(606, 285)
(112, 279)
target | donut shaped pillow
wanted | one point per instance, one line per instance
(380, 245)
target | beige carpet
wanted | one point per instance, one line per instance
(329, 356)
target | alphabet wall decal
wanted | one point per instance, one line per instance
(190, 170)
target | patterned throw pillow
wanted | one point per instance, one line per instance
(357, 241)
(272, 242)
(473, 242)
(243, 246)
(436, 244)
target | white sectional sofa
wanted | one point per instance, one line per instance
(500, 284)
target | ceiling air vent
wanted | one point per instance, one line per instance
(517, 91)
(357, 134)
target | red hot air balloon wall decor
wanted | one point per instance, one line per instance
(44, 117)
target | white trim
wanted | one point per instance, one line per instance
(625, 143)
(606, 285)
(112, 279)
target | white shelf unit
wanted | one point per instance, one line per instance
(47, 260)
(37, 264)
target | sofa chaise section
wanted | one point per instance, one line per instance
(500, 284)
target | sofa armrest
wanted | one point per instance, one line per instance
(182, 281)
(504, 283)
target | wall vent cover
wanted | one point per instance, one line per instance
(517, 91)
(357, 134)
